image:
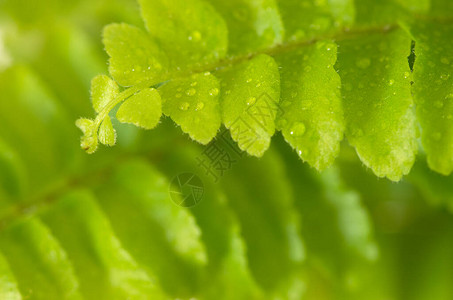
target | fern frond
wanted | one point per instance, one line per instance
(183, 41)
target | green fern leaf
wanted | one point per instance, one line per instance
(249, 103)
(138, 60)
(134, 56)
(143, 109)
(107, 134)
(74, 226)
(378, 103)
(8, 284)
(193, 103)
(312, 121)
(103, 90)
(252, 25)
(39, 262)
(105, 269)
(434, 65)
(191, 32)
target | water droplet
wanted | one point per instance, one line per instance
(199, 106)
(184, 106)
(298, 129)
(214, 92)
(207, 73)
(406, 74)
(191, 92)
(363, 63)
(391, 82)
(438, 104)
(249, 80)
(133, 70)
(251, 101)
(258, 84)
(194, 83)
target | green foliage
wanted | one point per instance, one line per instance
(76, 226)
(191, 32)
(434, 64)
(134, 56)
(248, 103)
(376, 94)
(312, 121)
(142, 109)
(378, 103)
(41, 266)
(193, 103)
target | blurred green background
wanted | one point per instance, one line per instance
(272, 228)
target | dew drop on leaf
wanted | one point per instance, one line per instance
(298, 129)
(191, 92)
(214, 92)
(199, 106)
(184, 106)
(251, 101)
